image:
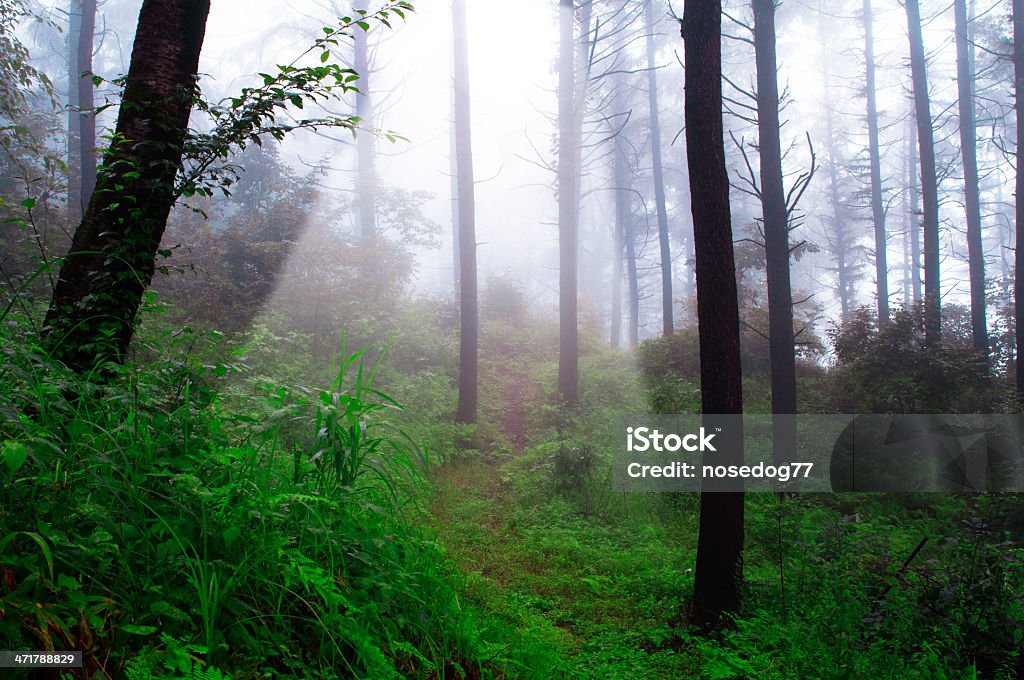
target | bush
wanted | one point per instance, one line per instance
(892, 370)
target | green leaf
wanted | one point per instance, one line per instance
(133, 629)
(231, 535)
(29, 203)
(325, 56)
(14, 455)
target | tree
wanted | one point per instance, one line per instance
(366, 173)
(1018, 279)
(969, 158)
(929, 179)
(466, 412)
(874, 160)
(113, 252)
(720, 539)
(775, 212)
(79, 43)
(568, 164)
(658, 176)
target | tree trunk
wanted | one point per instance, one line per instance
(1018, 278)
(568, 148)
(840, 240)
(622, 209)
(633, 278)
(972, 200)
(453, 168)
(366, 171)
(75, 203)
(720, 539)
(113, 252)
(776, 233)
(929, 180)
(668, 322)
(617, 245)
(466, 412)
(914, 191)
(877, 211)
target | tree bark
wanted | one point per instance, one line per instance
(466, 412)
(929, 180)
(113, 252)
(668, 323)
(568, 246)
(969, 157)
(877, 211)
(776, 233)
(718, 569)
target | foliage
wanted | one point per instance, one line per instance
(892, 370)
(254, 527)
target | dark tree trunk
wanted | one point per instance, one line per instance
(659, 177)
(972, 200)
(113, 253)
(877, 211)
(720, 540)
(776, 233)
(929, 180)
(568, 149)
(466, 412)
(366, 152)
(1018, 278)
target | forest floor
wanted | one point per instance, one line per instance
(599, 592)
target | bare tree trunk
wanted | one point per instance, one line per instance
(113, 252)
(87, 126)
(453, 168)
(366, 152)
(972, 200)
(718, 569)
(633, 278)
(622, 210)
(877, 211)
(568, 153)
(914, 191)
(466, 412)
(75, 204)
(776, 233)
(929, 180)
(617, 246)
(1018, 279)
(840, 241)
(668, 322)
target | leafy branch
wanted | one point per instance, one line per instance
(243, 119)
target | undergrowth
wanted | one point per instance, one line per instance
(180, 520)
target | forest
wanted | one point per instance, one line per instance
(556, 339)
